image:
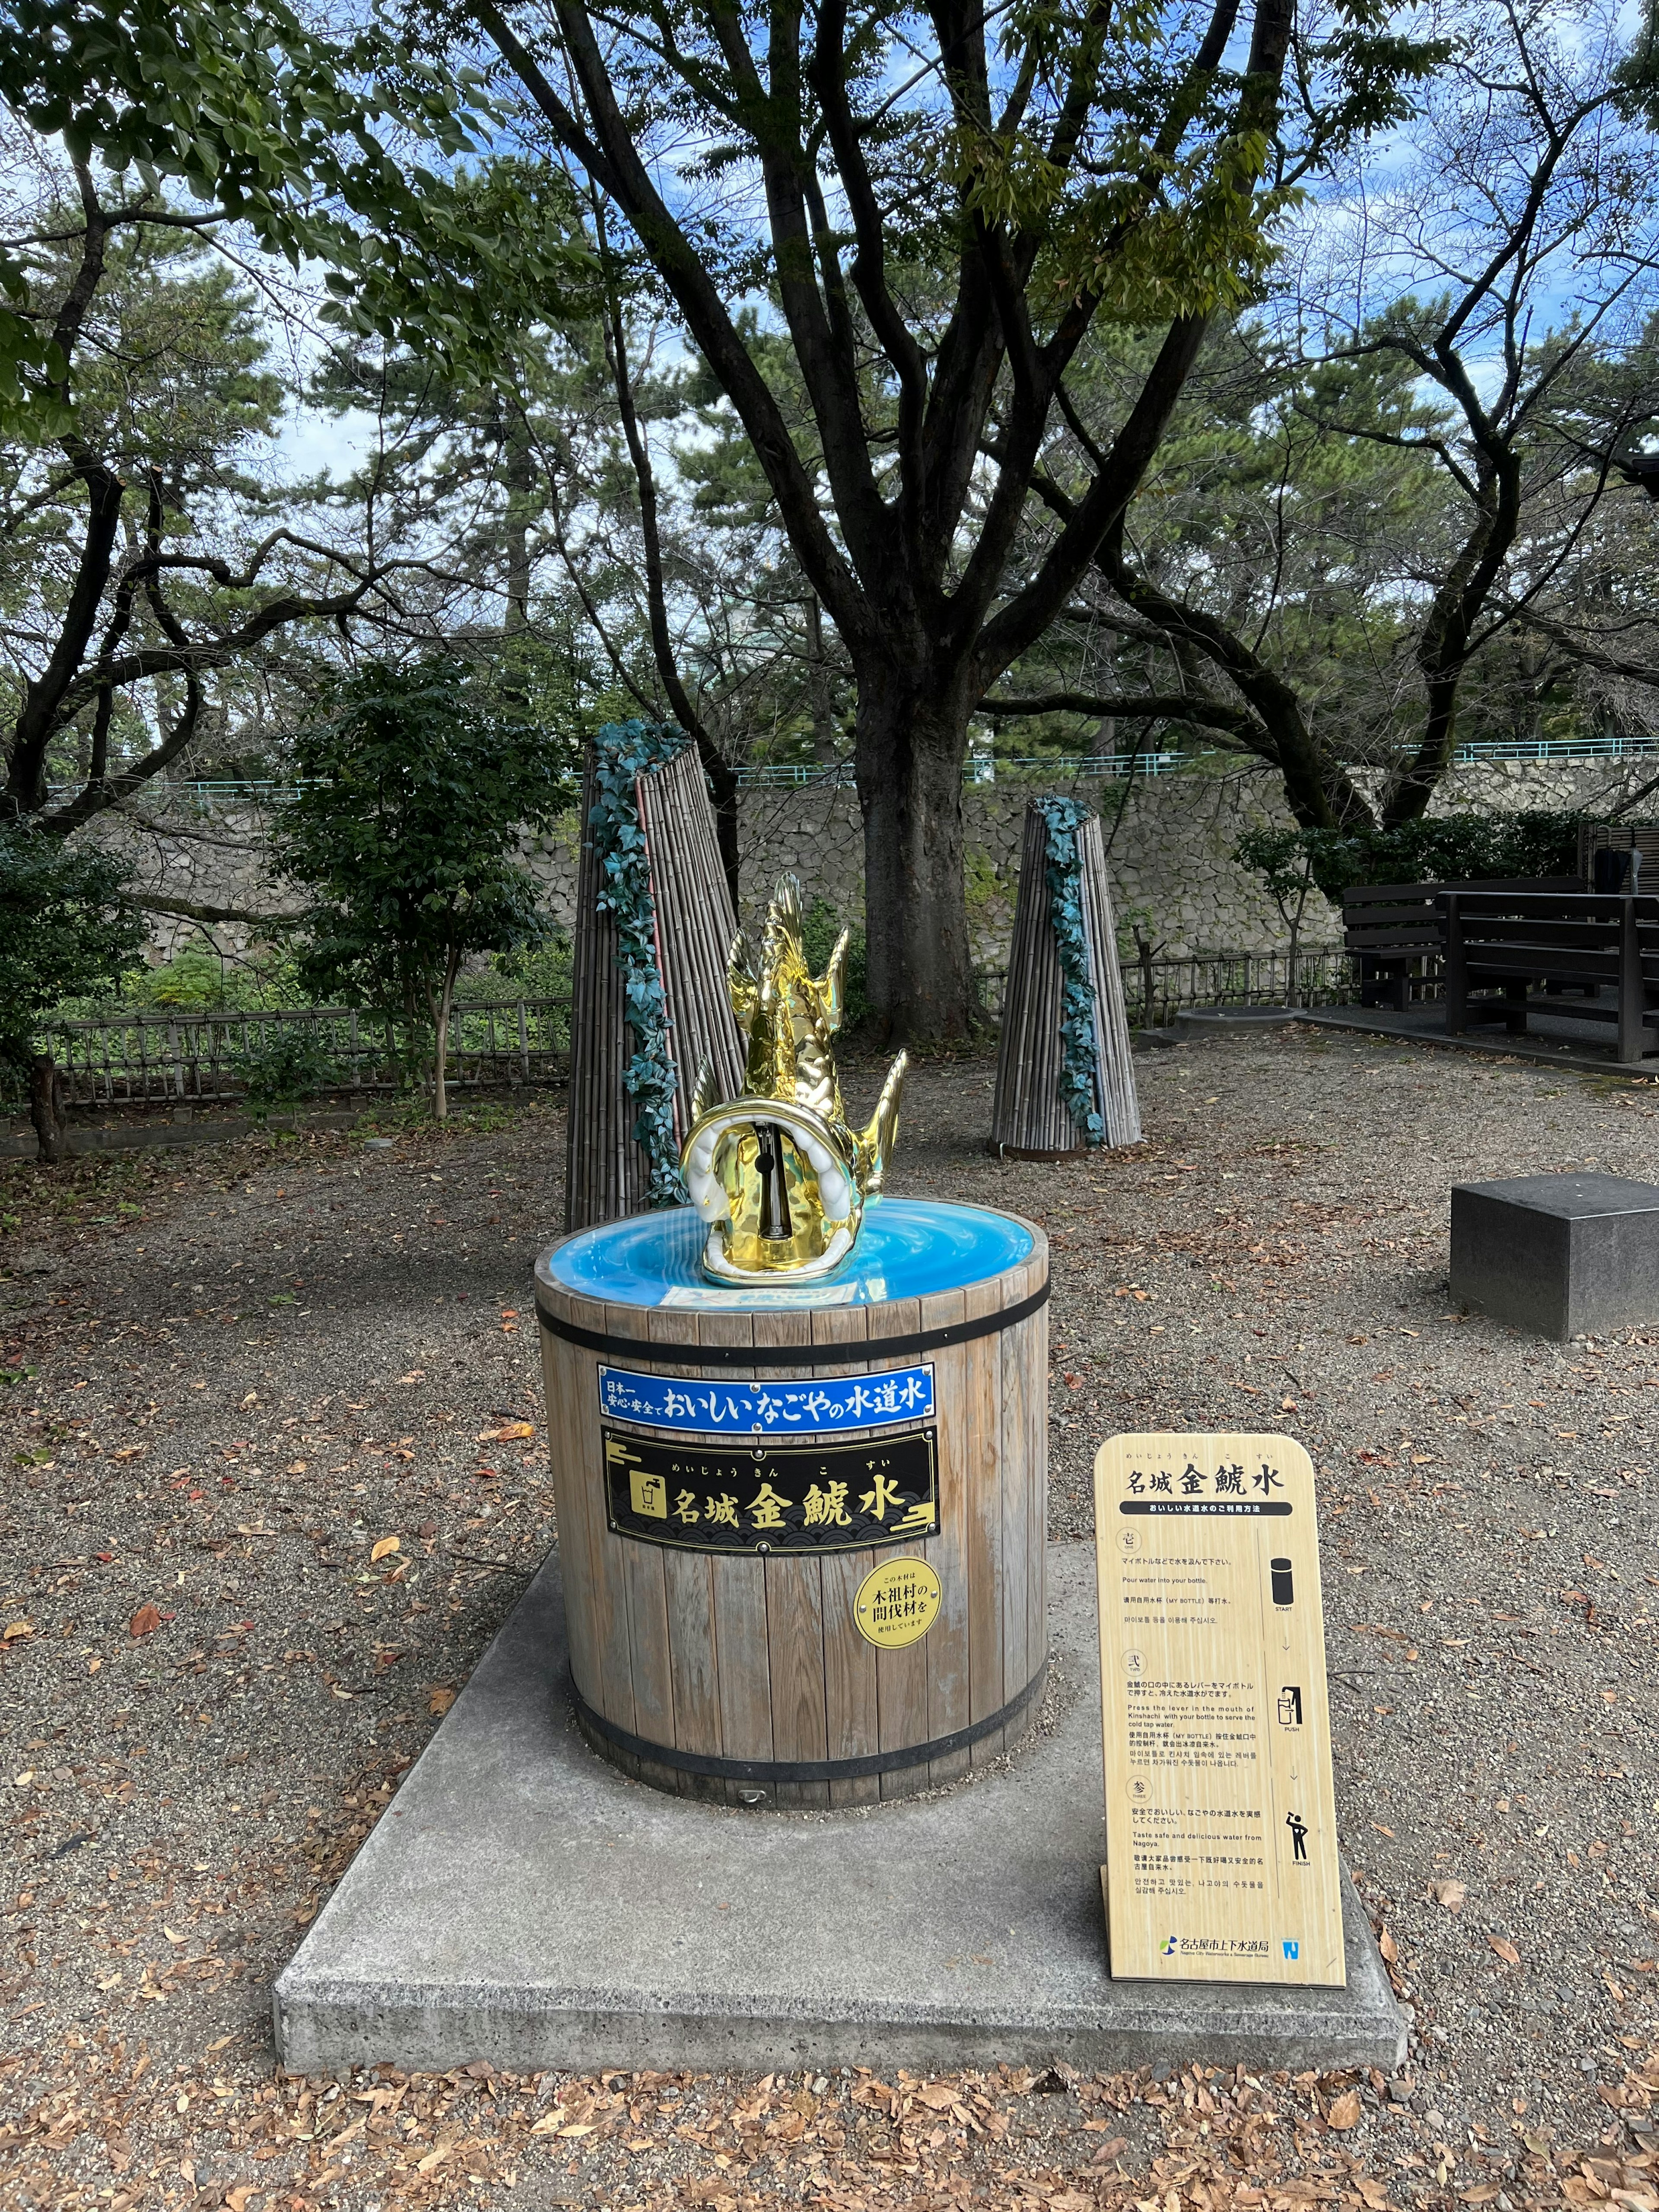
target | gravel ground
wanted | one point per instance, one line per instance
(235, 1374)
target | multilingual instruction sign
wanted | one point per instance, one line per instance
(1221, 1858)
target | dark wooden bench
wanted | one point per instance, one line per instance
(1592, 942)
(1396, 928)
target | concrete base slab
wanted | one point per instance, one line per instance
(521, 1902)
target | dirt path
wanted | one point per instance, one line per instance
(240, 1370)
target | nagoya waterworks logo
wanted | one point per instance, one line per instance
(1214, 1946)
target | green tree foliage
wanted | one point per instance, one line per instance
(67, 931)
(163, 575)
(1048, 170)
(302, 137)
(1395, 502)
(406, 833)
(1436, 848)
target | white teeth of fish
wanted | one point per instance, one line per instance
(705, 1193)
(839, 1243)
(702, 1156)
(833, 1191)
(816, 1156)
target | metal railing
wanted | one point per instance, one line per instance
(1154, 991)
(978, 768)
(1068, 768)
(168, 1060)
(204, 794)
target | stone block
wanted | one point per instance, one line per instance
(523, 1903)
(1563, 1255)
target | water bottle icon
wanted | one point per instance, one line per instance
(1283, 1582)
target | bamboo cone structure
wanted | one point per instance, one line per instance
(1031, 1120)
(608, 1174)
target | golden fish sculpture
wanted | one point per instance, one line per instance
(778, 1176)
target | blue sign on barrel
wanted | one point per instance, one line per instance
(713, 1407)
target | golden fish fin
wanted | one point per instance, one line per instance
(703, 1094)
(878, 1140)
(831, 992)
(741, 988)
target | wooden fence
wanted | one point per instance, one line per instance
(164, 1059)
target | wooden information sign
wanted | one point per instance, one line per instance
(1220, 1814)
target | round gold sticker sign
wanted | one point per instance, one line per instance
(897, 1603)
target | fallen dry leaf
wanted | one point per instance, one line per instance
(1387, 1946)
(385, 1547)
(1505, 1950)
(1345, 2110)
(442, 1700)
(1450, 1892)
(17, 1628)
(510, 1432)
(146, 1620)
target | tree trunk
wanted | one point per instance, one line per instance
(724, 796)
(824, 749)
(444, 1000)
(46, 1109)
(911, 738)
(1408, 797)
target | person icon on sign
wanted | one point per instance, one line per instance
(1299, 1828)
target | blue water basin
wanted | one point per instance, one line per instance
(908, 1248)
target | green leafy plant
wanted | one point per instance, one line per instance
(1430, 849)
(67, 929)
(1285, 860)
(405, 830)
(1080, 1043)
(289, 1064)
(622, 753)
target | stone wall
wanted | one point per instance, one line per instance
(1169, 844)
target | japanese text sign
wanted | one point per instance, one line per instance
(1221, 1858)
(839, 1498)
(705, 1406)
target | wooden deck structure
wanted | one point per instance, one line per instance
(1601, 946)
(1399, 931)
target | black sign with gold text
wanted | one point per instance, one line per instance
(835, 1498)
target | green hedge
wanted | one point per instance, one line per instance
(1446, 848)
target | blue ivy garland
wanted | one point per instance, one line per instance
(622, 752)
(1079, 1059)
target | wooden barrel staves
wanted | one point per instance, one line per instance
(608, 1170)
(802, 1543)
(1032, 1117)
